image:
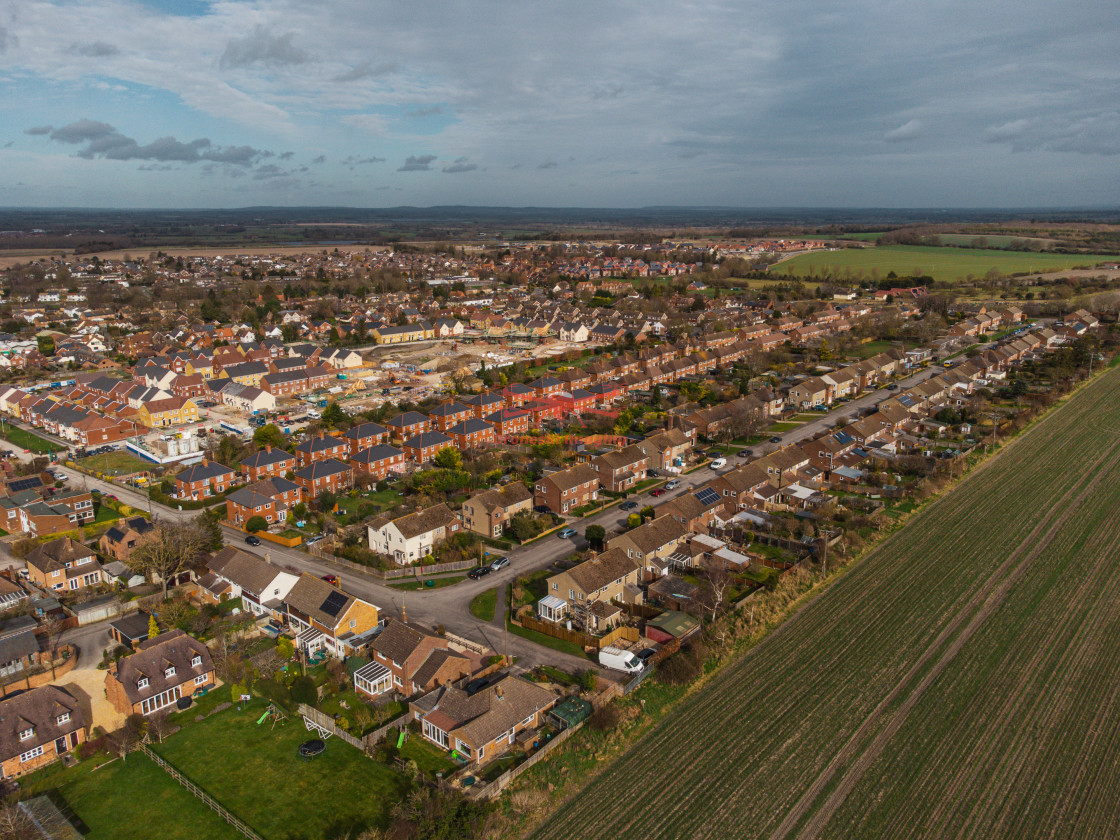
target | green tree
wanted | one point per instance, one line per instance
(647, 512)
(299, 511)
(327, 500)
(449, 458)
(256, 523)
(596, 534)
(153, 627)
(270, 435)
(333, 415)
(208, 523)
(633, 520)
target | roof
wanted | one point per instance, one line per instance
(38, 709)
(246, 570)
(381, 452)
(398, 640)
(171, 649)
(428, 439)
(266, 457)
(479, 718)
(673, 622)
(424, 521)
(469, 427)
(320, 443)
(655, 534)
(365, 430)
(322, 469)
(574, 477)
(594, 574)
(133, 626)
(409, 418)
(503, 497)
(319, 600)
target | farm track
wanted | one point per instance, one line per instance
(838, 723)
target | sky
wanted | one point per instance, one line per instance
(585, 103)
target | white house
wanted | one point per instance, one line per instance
(261, 586)
(410, 538)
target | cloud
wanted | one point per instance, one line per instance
(287, 155)
(460, 165)
(264, 48)
(354, 160)
(1006, 131)
(430, 111)
(9, 144)
(366, 70)
(96, 49)
(1088, 134)
(7, 39)
(417, 163)
(907, 131)
(548, 164)
(320, 159)
(103, 141)
(374, 124)
(39, 130)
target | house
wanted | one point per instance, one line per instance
(408, 424)
(204, 479)
(270, 499)
(377, 461)
(267, 463)
(37, 727)
(483, 404)
(172, 411)
(19, 647)
(654, 541)
(610, 576)
(564, 490)
(364, 436)
(811, 392)
(119, 540)
(57, 514)
(483, 725)
(450, 413)
(320, 448)
(321, 476)
(233, 573)
(409, 538)
(64, 565)
(447, 328)
(423, 447)
(621, 469)
(508, 421)
(170, 666)
(488, 512)
(407, 660)
(471, 433)
(328, 618)
(666, 451)
(11, 594)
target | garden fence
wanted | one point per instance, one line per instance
(501, 782)
(324, 721)
(389, 574)
(201, 794)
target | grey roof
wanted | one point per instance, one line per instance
(17, 646)
(426, 439)
(322, 469)
(171, 649)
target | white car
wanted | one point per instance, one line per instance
(673, 485)
(719, 463)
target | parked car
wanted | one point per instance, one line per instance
(499, 563)
(313, 540)
(719, 463)
(673, 485)
(478, 572)
(893, 386)
(653, 474)
(745, 453)
(253, 539)
(542, 509)
(646, 655)
(660, 491)
(628, 506)
(333, 580)
(775, 439)
(567, 533)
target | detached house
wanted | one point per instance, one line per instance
(37, 727)
(64, 565)
(409, 538)
(170, 666)
(488, 512)
(406, 659)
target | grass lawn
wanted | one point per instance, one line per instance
(107, 514)
(784, 427)
(483, 605)
(939, 263)
(256, 772)
(429, 758)
(436, 583)
(120, 463)
(107, 799)
(645, 483)
(550, 642)
(27, 440)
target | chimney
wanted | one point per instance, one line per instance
(322, 435)
(498, 692)
(268, 447)
(205, 462)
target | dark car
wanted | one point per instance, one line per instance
(646, 655)
(745, 453)
(253, 539)
(477, 685)
(893, 386)
(653, 474)
(478, 572)
(660, 491)
(542, 509)
(775, 439)
(628, 506)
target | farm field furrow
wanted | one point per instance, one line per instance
(928, 691)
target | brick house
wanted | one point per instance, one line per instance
(471, 433)
(488, 512)
(266, 463)
(365, 436)
(450, 413)
(406, 425)
(163, 669)
(509, 421)
(64, 565)
(320, 448)
(328, 618)
(206, 478)
(483, 725)
(666, 450)
(378, 461)
(424, 447)
(37, 727)
(270, 499)
(406, 659)
(119, 540)
(57, 514)
(483, 404)
(320, 476)
(610, 576)
(561, 491)
(621, 469)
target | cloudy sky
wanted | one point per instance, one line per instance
(192, 103)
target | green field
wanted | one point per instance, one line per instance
(116, 463)
(483, 605)
(29, 440)
(958, 682)
(917, 260)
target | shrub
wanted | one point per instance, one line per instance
(272, 690)
(303, 690)
(256, 523)
(285, 648)
(678, 670)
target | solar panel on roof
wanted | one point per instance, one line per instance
(706, 496)
(334, 604)
(25, 484)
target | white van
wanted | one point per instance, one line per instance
(620, 660)
(719, 463)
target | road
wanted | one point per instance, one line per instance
(449, 606)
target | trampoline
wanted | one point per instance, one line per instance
(312, 748)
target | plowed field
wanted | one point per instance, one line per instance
(962, 681)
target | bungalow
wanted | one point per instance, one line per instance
(407, 660)
(409, 538)
(483, 725)
(488, 512)
(206, 478)
(37, 727)
(328, 618)
(164, 669)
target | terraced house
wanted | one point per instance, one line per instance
(171, 411)
(407, 539)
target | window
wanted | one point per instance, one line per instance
(200, 679)
(169, 671)
(30, 754)
(196, 660)
(26, 733)
(353, 623)
(63, 718)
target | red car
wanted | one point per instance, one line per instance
(660, 491)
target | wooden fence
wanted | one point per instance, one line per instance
(201, 794)
(326, 722)
(529, 622)
(390, 574)
(501, 782)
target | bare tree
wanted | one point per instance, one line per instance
(15, 824)
(159, 727)
(54, 628)
(719, 581)
(175, 547)
(125, 739)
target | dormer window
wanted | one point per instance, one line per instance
(142, 682)
(169, 671)
(196, 660)
(24, 734)
(63, 718)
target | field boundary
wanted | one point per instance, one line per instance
(206, 798)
